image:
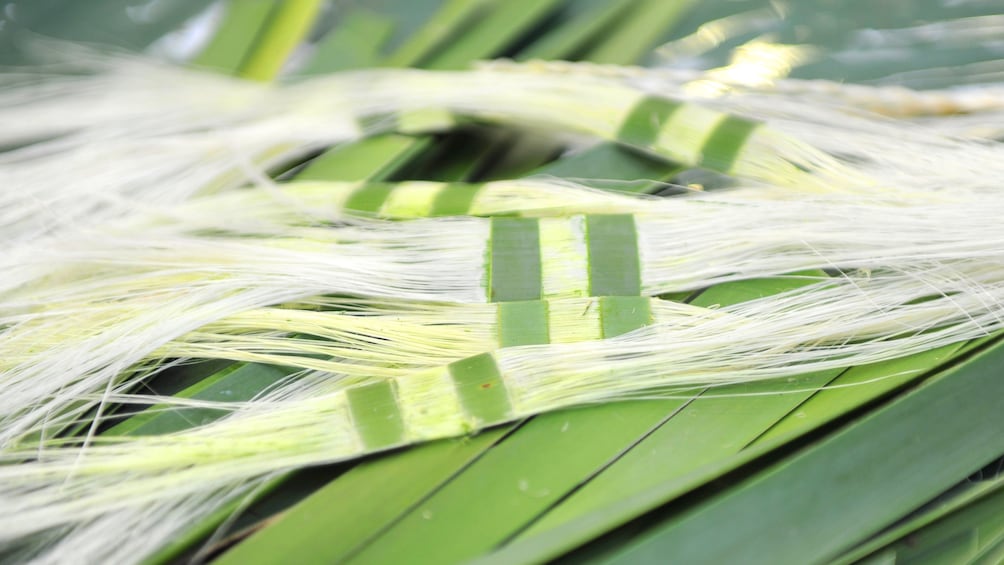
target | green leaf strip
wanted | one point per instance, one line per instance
(376, 414)
(644, 123)
(515, 262)
(526, 322)
(514, 268)
(654, 122)
(289, 23)
(722, 148)
(852, 483)
(613, 255)
(622, 314)
(369, 198)
(481, 389)
(241, 25)
(523, 323)
(455, 200)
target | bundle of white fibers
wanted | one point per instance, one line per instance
(78, 316)
(929, 156)
(832, 324)
(129, 133)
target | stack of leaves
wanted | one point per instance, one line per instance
(710, 316)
